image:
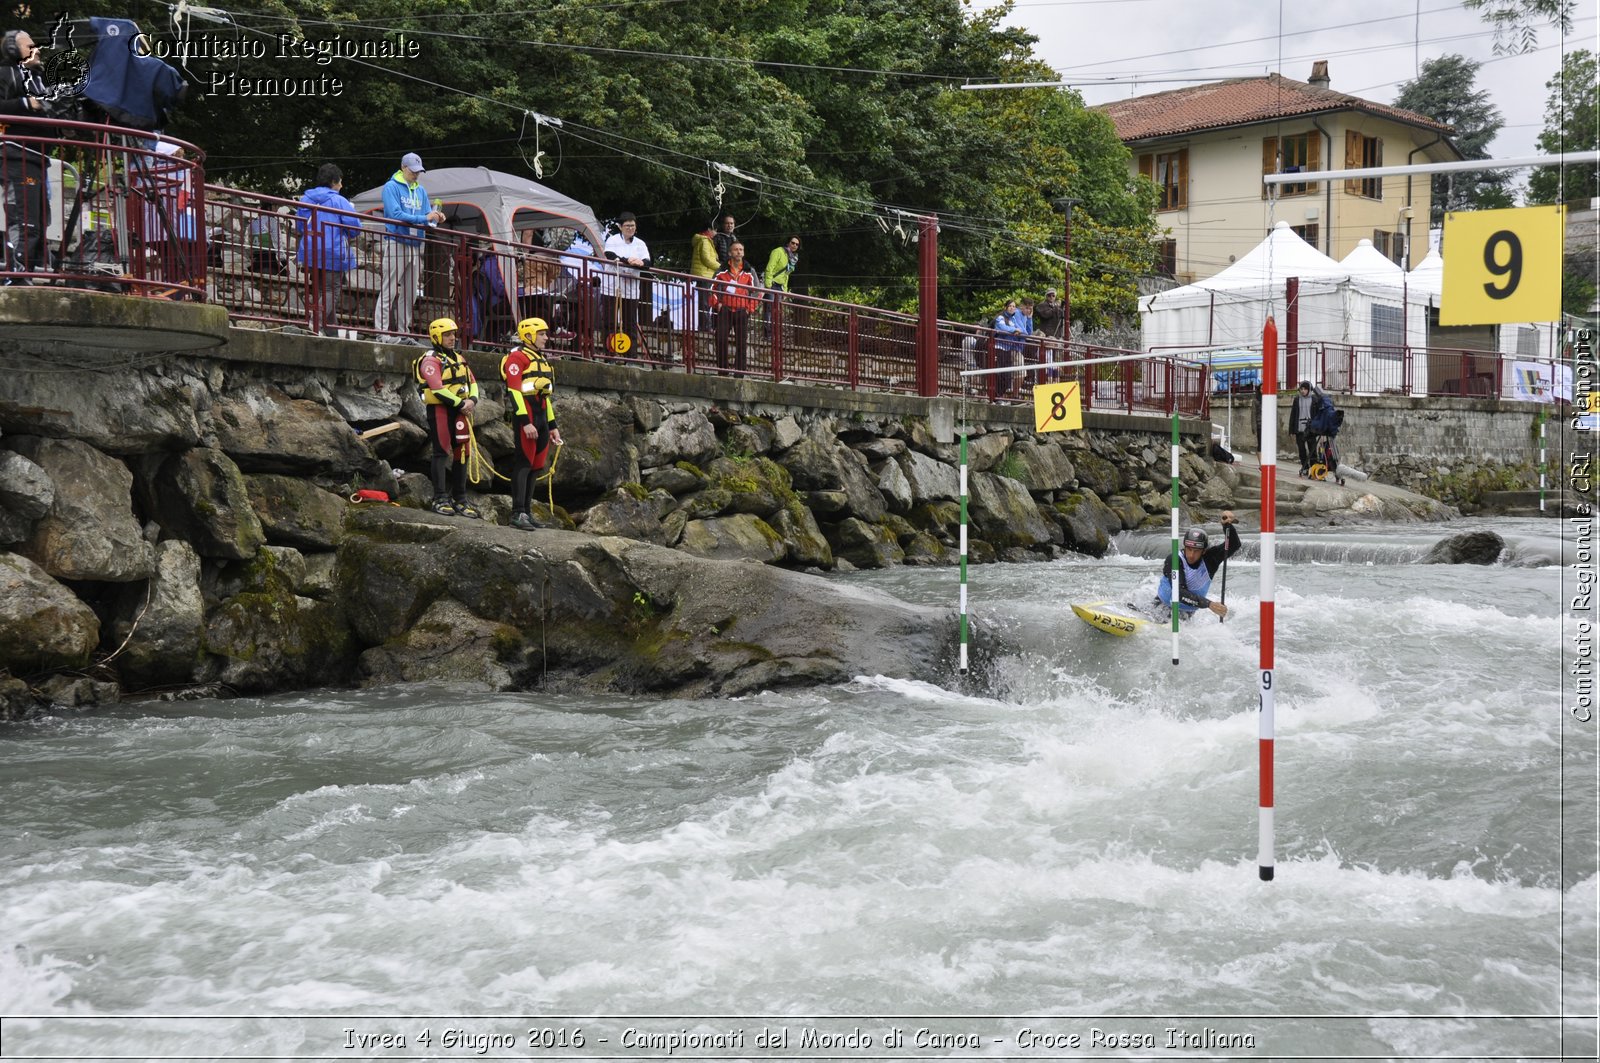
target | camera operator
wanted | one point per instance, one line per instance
(24, 169)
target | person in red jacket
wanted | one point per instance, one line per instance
(530, 379)
(734, 297)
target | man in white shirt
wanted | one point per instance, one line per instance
(619, 285)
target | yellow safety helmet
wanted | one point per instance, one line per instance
(439, 327)
(531, 327)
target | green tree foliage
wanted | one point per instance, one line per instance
(1571, 123)
(1516, 22)
(1444, 92)
(832, 109)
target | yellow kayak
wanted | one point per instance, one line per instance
(1097, 615)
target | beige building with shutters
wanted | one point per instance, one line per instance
(1206, 148)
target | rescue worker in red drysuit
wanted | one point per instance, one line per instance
(450, 392)
(530, 379)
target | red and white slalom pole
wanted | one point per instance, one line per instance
(1269, 550)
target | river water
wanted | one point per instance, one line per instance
(1058, 860)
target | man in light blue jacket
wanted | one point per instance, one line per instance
(406, 205)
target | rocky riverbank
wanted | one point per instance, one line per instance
(187, 527)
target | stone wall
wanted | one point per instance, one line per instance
(172, 522)
(1450, 449)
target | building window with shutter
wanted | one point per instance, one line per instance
(1362, 152)
(1167, 258)
(1309, 232)
(1301, 153)
(1170, 172)
(1390, 245)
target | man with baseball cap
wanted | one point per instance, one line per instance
(409, 211)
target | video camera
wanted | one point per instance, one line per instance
(101, 69)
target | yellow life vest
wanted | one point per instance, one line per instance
(537, 380)
(455, 378)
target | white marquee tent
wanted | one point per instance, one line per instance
(1360, 309)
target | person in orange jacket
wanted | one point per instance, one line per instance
(733, 297)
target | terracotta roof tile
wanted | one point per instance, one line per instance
(1240, 101)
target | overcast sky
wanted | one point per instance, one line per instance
(1372, 47)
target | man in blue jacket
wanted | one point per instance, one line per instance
(406, 205)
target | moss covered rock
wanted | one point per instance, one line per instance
(43, 625)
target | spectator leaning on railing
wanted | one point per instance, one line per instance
(620, 283)
(406, 206)
(1011, 326)
(703, 264)
(325, 252)
(733, 295)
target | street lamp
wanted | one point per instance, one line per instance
(1065, 205)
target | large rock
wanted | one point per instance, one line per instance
(448, 644)
(686, 436)
(123, 413)
(596, 457)
(986, 451)
(1098, 474)
(894, 486)
(753, 438)
(158, 627)
(296, 512)
(805, 545)
(629, 511)
(930, 480)
(1087, 522)
(740, 536)
(90, 532)
(816, 465)
(866, 545)
(1040, 468)
(1468, 548)
(26, 493)
(1005, 514)
(811, 465)
(615, 614)
(858, 484)
(272, 639)
(199, 495)
(674, 479)
(758, 486)
(382, 400)
(785, 433)
(43, 625)
(264, 430)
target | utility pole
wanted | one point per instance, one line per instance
(1066, 203)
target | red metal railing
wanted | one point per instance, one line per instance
(1396, 370)
(130, 214)
(104, 208)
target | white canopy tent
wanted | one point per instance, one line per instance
(1363, 308)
